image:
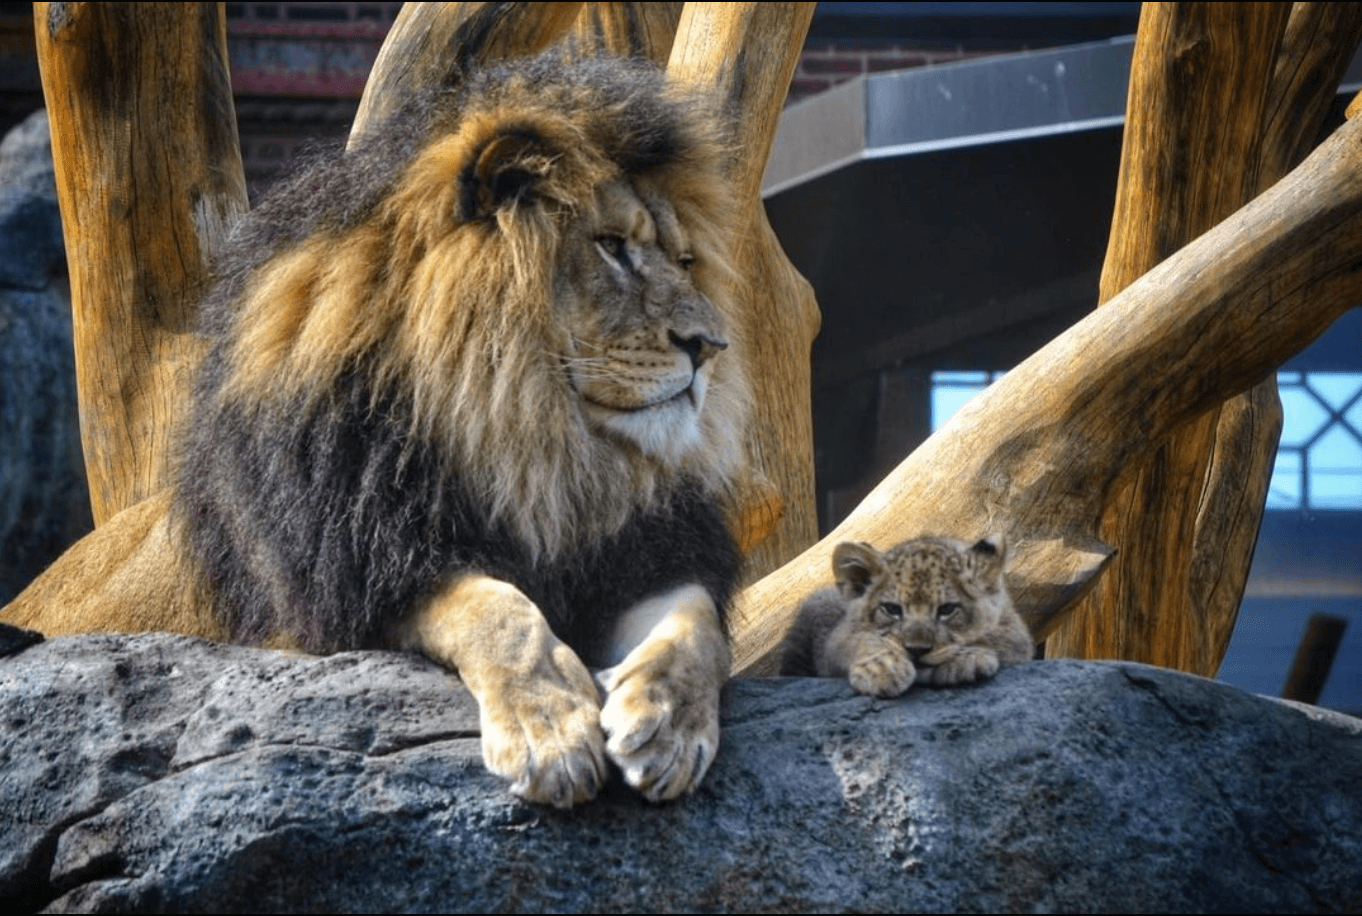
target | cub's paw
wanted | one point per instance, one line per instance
(960, 664)
(884, 670)
(661, 716)
(543, 733)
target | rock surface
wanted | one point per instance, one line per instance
(157, 772)
(44, 504)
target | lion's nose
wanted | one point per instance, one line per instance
(699, 347)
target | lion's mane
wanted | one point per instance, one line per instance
(381, 408)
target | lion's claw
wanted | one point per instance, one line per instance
(961, 664)
(546, 740)
(888, 672)
(662, 734)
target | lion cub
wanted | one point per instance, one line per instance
(930, 610)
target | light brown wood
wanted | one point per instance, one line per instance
(431, 44)
(1319, 43)
(627, 29)
(1198, 92)
(149, 174)
(1314, 53)
(1036, 455)
(1221, 96)
(748, 52)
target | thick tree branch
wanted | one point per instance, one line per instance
(1221, 97)
(748, 52)
(149, 175)
(1036, 455)
(431, 44)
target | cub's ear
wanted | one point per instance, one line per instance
(990, 557)
(505, 171)
(855, 564)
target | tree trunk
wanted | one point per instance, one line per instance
(1221, 97)
(1040, 457)
(145, 199)
(431, 44)
(748, 51)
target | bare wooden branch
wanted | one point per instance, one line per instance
(1039, 457)
(627, 29)
(1319, 42)
(775, 516)
(1036, 455)
(1198, 93)
(748, 52)
(1314, 657)
(143, 210)
(431, 43)
(1221, 95)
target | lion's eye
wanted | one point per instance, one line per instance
(892, 610)
(686, 261)
(614, 248)
(947, 610)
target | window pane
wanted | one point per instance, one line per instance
(1336, 471)
(946, 400)
(1284, 491)
(1335, 388)
(1302, 415)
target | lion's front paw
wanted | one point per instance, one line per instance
(961, 664)
(662, 720)
(544, 734)
(884, 671)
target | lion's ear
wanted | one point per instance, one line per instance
(504, 172)
(855, 564)
(990, 558)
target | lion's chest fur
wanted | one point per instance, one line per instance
(326, 527)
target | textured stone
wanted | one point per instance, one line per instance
(156, 773)
(44, 504)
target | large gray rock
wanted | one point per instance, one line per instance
(44, 504)
(158, 773)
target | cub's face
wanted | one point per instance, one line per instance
(643, 339)
(927, 593)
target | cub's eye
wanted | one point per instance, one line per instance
(686, 261)
(892, 610)
(613, 247)
(947, 610)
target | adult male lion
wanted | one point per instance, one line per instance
(472, 389)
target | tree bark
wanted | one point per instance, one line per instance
(748, 53)
(627, 29)
(145, 202)
(1223, 99)
(433, 44)
(1036, 456)
(1039, 457)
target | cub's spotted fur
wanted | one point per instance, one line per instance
(930, 610)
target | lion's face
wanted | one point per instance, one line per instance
(543, 288)
(641, 337)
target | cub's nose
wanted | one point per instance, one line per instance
(701, 348)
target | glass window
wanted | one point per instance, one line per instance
(1319, 461)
